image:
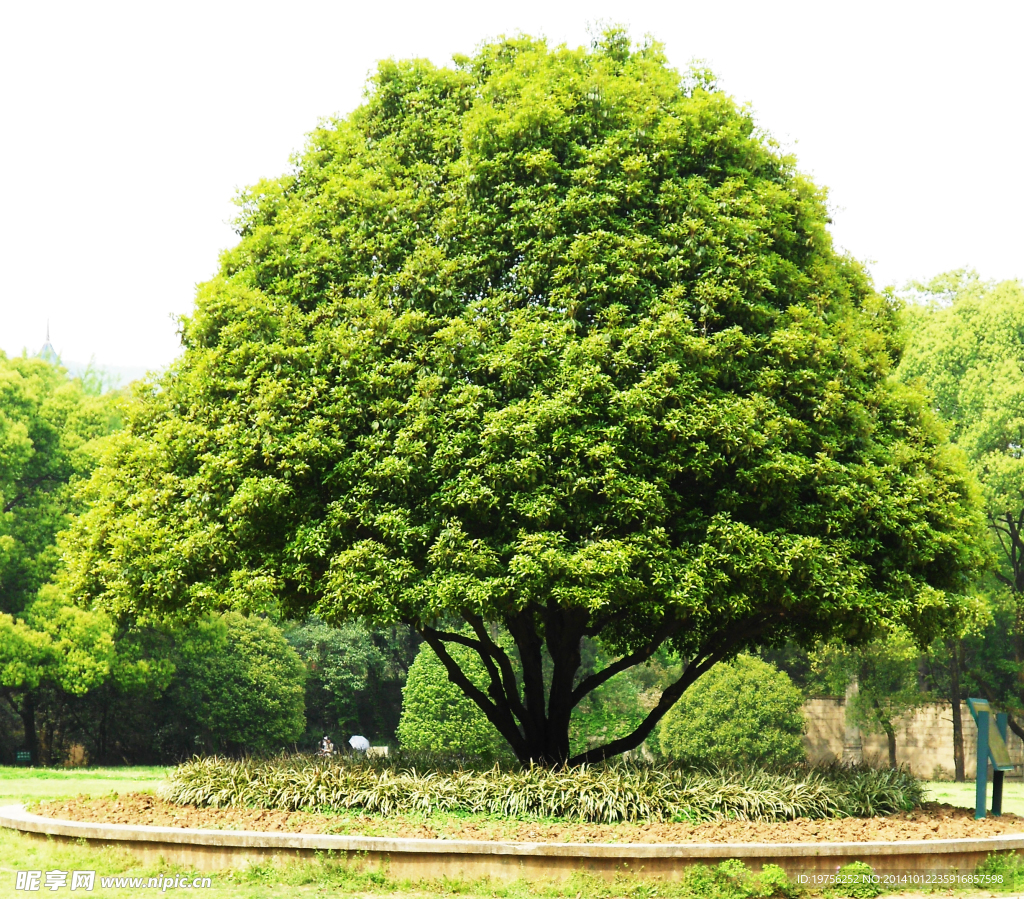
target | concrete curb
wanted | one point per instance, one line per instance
(423, 859)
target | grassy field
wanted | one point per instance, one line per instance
(327, 876)
(963, 795)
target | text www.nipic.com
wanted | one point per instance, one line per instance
(34, 881)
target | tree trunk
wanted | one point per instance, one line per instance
(955, 647)
(853, 745)
(27, 712)
(890, 731)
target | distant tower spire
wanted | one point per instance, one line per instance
(48, 352)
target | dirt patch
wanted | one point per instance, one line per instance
(934, 821)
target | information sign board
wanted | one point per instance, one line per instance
(997, 750)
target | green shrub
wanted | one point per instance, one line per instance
(743, 713)
(437, 716)
(1006, 869)
(870, 791)
(856, 880)
(771, 883)
(607, 793)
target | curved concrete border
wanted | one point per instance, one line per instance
(423, 859)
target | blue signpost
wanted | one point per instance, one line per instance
(991, 747)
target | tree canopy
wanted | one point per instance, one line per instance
(552, 343)
(966, 350)
(50, 433)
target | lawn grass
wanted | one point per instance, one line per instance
(962, 795)
(33, 784)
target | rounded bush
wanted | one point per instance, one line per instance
(746, 712)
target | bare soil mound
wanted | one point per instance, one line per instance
(934, 821)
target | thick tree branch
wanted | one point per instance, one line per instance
(724, 648)
(669, 627)
(669, 697)
(523, 632)
(497, 658)
(489, 652)
(35, 482)
(563, 633)
(500, 717)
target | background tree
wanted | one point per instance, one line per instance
(50, 434)
(51, 431)
(126, 718)
(746, 712)
(551, 343)
(886, 675)
(967, 350)
(241, 685)
(55, 652)
(354, 678)
(224, 684)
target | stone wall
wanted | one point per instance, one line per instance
(924, 739)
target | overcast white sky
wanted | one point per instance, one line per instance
(128, 127)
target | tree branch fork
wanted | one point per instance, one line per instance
(531, 710)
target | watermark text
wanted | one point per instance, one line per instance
(86, 881)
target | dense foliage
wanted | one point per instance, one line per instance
(246, 685)
(224, 684)
(606, 793)
(552, 341)
(51, 428)
(742, 713)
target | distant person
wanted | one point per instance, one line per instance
(360, 744)
(326, 746)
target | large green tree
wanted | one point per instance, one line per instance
(554, 343)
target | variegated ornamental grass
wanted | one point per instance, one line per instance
(596, 794)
